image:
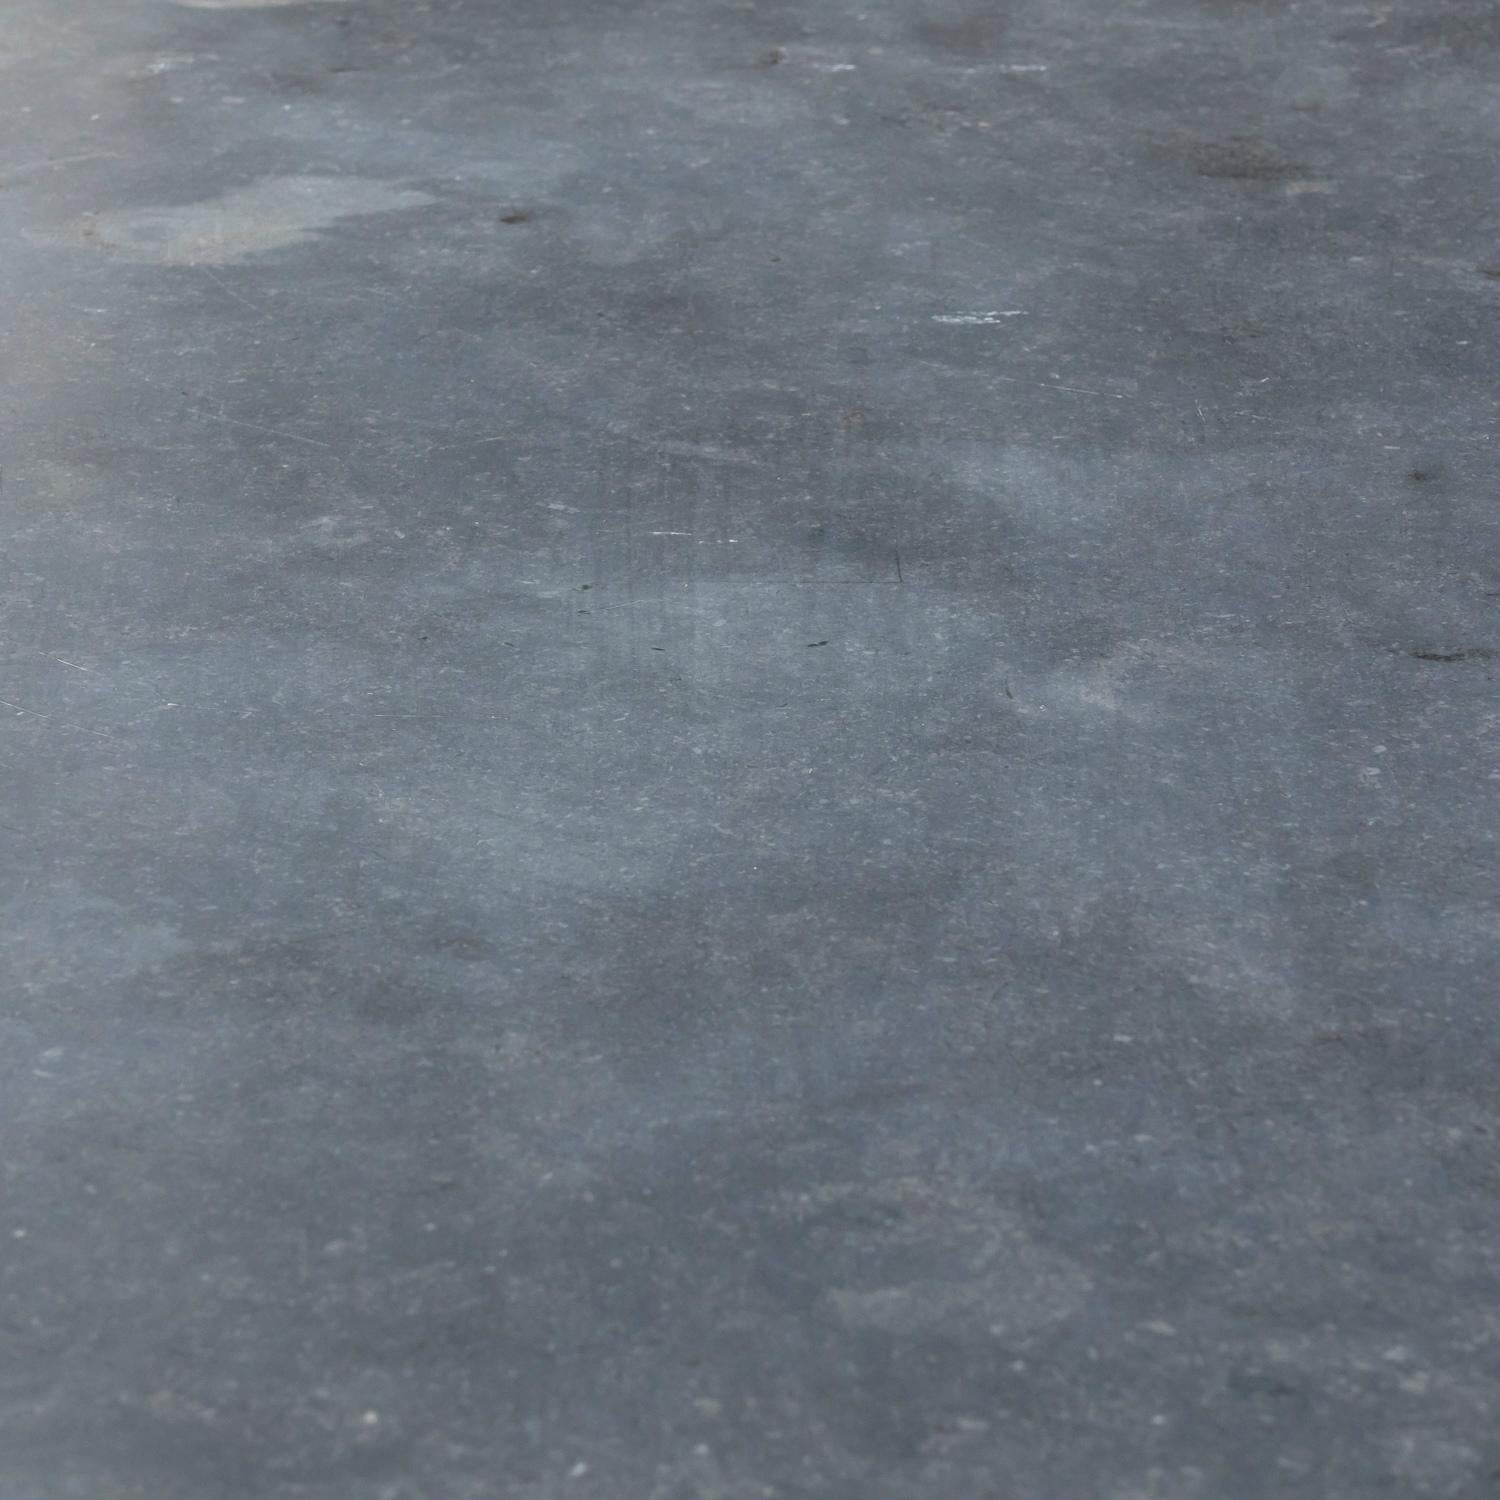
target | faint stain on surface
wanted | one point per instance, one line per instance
(249, 4)
(272, 214)
(1008, 1300)
(996, 1274)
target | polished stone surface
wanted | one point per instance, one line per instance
(744, 749)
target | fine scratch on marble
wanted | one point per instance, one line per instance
(979, 319)
(1052, 385)
(294, 437)
(33, 713)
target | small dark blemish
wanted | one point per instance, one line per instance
(1241, 159)
(518, 216)
(972, 36)
(460, 944)
(1420, 476)
(1468, 653)
(658, 648)
(770, 58)
(393, 1002)
(1493, 272)
(584, 587)
(1258, 1383)
(816, 643)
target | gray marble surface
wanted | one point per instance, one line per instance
(744, 750)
